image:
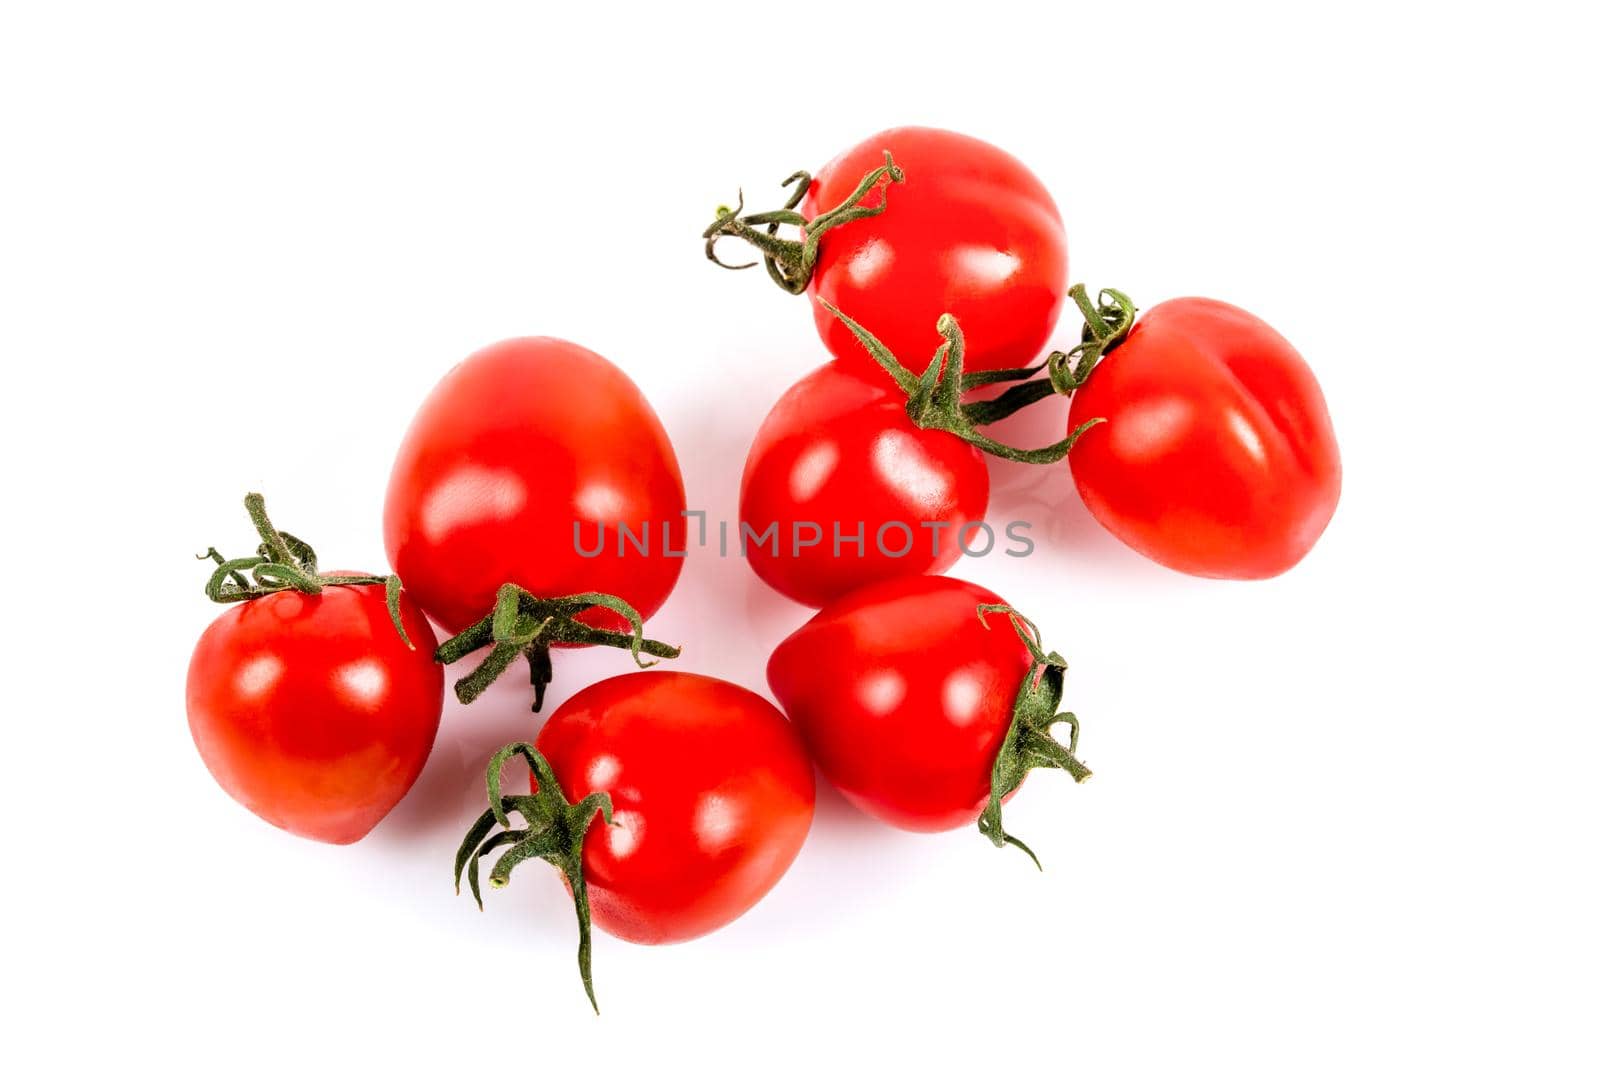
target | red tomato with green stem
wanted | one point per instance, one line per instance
(837, 452)
(1217, 457)
(704, 792)
(536, 487)
(909, 225)
(863, 474)
(315, 699)
(926, 701)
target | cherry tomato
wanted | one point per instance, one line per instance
(712, 796)
(310, 710)
(839, 452)
(904, 697)
(516, 445)
(1217, 456)
(971, 231)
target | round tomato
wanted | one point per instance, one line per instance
(969, 231)
(1217, 456)
(709, 795)
(539, 463)
(712, 796)
(311, 711)
(838, 459)
(909, 698)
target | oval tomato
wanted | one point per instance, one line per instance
(310, 710)
(516, 445)
(837, 451)
(1217, 456)
(969, 231)
(907, 696)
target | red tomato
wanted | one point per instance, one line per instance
(970, 231)
(516, 444)
(838, 451)
(904, 697)
(311, 711)
(712, 796)
(1217, 456)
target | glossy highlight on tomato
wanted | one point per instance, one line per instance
(310, 710)
(1217, 456)
(904, 697)
(838, 451)
(712, 797)
(971, 231)
(517, 444)
(907, 226)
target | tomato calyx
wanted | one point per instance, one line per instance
(284, 562)
(554, 832)
(523, 624)
(791, 262)
(1028, 742)
(1106, 322)
(933, 399)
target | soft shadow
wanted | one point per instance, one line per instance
(1043, 496)
(451, 792)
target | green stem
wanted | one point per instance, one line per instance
(523, 624)
(1028, 743)
(1038, 742)
(1107, 321)
(284, 562)
(1008, 403)
(791, 262)
(933, 399)
(1096, 323)
(274, 547)
(1106, 325)
(554, 832)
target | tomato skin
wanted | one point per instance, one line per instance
(516, 443)
(712, 797)
(310, 711)
(904, 697)
(971, 231)
(1217, 457)
(839, 448)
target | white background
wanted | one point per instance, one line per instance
(1345, 816)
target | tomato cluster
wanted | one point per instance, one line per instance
(536, 503)
(1216, 455)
